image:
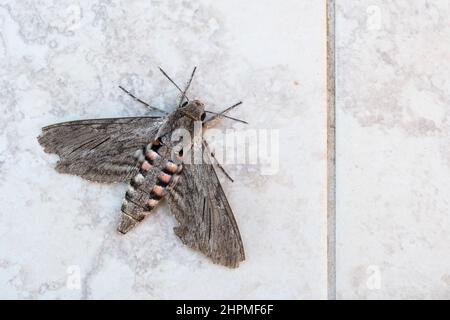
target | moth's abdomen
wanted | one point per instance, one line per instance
(149, 186)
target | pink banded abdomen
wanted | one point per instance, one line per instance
(149, 186)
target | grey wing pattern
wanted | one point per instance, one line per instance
(100, 150)
(206, 221)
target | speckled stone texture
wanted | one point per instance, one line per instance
(393, 149)
(63, 60)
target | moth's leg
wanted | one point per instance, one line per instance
(183, 95)
(217, 116)
(217, 162)
(187, 87)
(141, 101)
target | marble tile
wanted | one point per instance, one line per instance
(393, 167)
(64, 60)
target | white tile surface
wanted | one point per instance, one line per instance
(63, 60)
(393, 167)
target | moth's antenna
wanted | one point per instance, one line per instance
(173, 82)
(222, 114)
(187, 87)
(218, 115)
(139, 100)
(232, 107)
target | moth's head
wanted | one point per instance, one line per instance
(194, 109)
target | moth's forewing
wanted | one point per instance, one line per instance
(100, 150)
(206, 221)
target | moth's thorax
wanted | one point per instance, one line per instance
(194, 109)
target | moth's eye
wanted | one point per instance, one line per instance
(203, 116)
(184, 104)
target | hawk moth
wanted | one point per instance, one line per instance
(139, 151)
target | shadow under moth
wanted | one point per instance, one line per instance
(142, 152)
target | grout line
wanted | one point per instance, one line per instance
(331, 151)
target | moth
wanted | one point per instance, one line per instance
(140, 151)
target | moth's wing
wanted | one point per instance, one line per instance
(206, 221)
(100, 150)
